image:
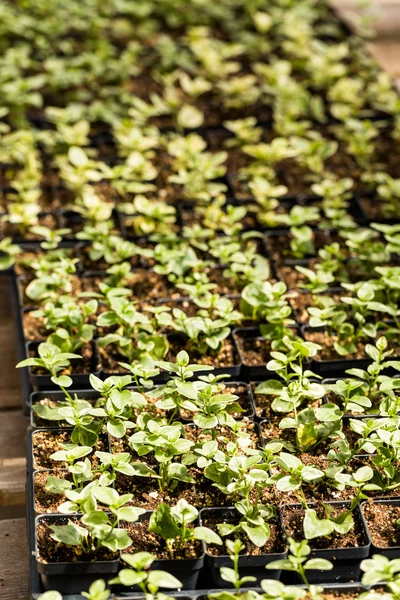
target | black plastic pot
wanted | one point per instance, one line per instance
(71, 578)
(79, 380)
(249, 565)
(30, 438)
(185, 570)
(337, 367)
(251, 372)
(59, 397)
(346, 561)
(341, 589)
(364, 415)
(321, 238)
(231, 371)
(390, 552)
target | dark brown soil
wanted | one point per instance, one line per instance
(86, 365)
(50, 551)
(300, 301)
(328, 351)
(146, 541)
(23, 283)
(13, 231)
(293, 523)
(224, 434)
(255, 352)
(34, 328)
(46, 443)
(377, 210)
(148, 495)
(45, 501)
(280, 245)
(145, 285)
(383, 523)
(227, 356)
(263, 405)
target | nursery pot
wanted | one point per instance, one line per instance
(30, 441)
(249, 565)
(346, 561)
(390, 552)
(58, 397)
(79, 380)
(69, 577)
(230, 371)
(337, 367)
(252, 335)
(186, 570)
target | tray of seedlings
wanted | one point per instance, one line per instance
(199, 218)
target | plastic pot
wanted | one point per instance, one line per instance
(346, 561)
(71, 578)
(79, 380)
(58, 397)
(231, 370)
(249, 565)
(338, 367)
(30, 440)
(252, 334)
(390, 551)
(185, 570)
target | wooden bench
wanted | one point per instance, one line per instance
(13, 542)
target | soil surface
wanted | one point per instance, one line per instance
(146, 541)
(275, 544)
(293, 517)
(383, 524)
(50, 551)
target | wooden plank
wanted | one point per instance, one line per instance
(386, 14)
(10, 395)
(12, 484)
(387, 54)
(12, 435)
(14, 561)
(12, 458)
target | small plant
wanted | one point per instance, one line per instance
(148, 581)
(173, 524)
(298, 562)
(231, 575)
(100, 530)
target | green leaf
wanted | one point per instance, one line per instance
(257, 535)
(205, 422)
(162, 579)
(318, 563)
(70, 534)
(129, 513)
(128, 577)
(314, 527)
(52, 595)
(228, 574)
(106, 495)
(163, 523)
(207, 535)
(62, 381)
(116, 428)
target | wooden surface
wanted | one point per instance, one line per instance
(13, 543)
(13, 560)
